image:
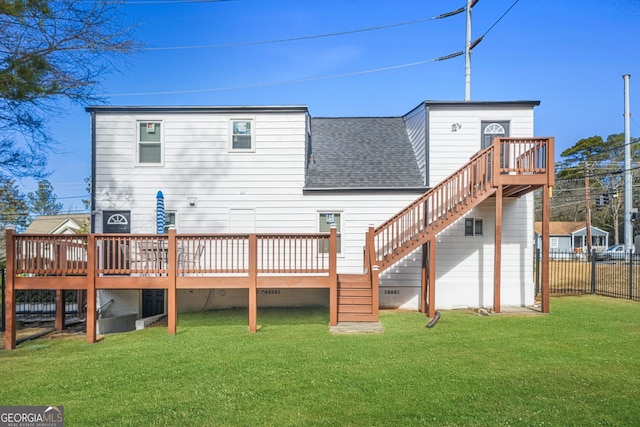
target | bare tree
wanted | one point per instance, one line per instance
(51, 51)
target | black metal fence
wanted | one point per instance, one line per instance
(616, 275)
(40, 305)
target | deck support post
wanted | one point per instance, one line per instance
(497, 261)
(172, 297)
(432, 279)
(10, 293)
(253, 286)
(60, 310)
(375, 290)
(333, 276)
(546, 212)
(424, 278)
(92, 255)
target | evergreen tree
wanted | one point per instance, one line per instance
(13, 205)
(44, 201)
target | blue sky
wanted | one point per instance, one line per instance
(568, 54)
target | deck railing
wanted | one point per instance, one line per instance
(147, 255)
(50, 254)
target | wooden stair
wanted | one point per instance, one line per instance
(516, 166)
(355, 299)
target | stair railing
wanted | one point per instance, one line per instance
(458, 193)
(434, 207)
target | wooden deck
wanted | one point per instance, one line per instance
(511, 167)
(171, 262)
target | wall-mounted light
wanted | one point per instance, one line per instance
(193, 201)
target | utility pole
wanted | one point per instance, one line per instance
(587, 208)
(628, 193)
(467, 55)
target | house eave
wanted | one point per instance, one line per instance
(414, 190)
(198, 109)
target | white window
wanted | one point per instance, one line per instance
(149, 144)
(473, 227)
(242, 135)
(326, 220)
(554, 242)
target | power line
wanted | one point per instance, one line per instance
(310, 37)
(499, 19)
(288, 82)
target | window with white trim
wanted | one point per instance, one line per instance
(242, 135)
(554, 242)
(169, 220)
(473, 227)
(325, 220)
(149, 143)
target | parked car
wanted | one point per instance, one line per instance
(612, 252)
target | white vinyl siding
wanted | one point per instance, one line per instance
(416, 130)
(449, 150)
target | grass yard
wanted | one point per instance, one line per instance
(580, 365)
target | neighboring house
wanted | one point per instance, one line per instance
(59, 224)
(277, 169)
(571, 236)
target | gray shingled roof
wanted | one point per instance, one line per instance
(361, 153)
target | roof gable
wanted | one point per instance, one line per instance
(564, 228)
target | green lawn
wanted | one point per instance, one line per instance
(579, 366)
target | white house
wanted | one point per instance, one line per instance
(275, 169)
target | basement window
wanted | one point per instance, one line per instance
(473, 227)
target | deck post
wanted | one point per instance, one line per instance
(253, 283)
(497, 262)
(333, 276)
(375, 290)
(424, 278)
(546, 211)
(91, 289)
(10, 294)
(172, 293)
(60, 310)
(431, 312)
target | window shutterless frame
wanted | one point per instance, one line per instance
(242, 135)
(149, 143)
(473, 227)
(325, 220)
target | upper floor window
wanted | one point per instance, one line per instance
(150, 142)
(242, 136)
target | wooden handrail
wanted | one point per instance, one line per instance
(149, 254)
(458, 193)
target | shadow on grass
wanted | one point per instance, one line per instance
(239, 317)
